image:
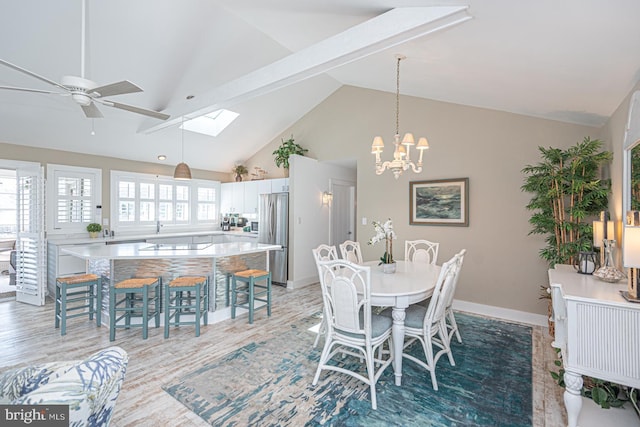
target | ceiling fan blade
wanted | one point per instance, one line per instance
(24, 89)
(29, 73)
(91, 111)
(119, 88)
(144, 111)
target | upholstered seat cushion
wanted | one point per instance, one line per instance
(90, 387)
(379, 325)
(414, 315)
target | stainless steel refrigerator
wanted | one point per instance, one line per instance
(273, 228)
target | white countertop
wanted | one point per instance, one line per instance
(75, 239)
(141, 251)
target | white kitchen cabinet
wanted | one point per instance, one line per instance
(264, 186)
(250, 197)
(232, 197)
(231, 238)
(243, 197)
(280, 185)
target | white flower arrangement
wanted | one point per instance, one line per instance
(384, 232)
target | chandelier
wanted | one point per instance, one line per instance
(402, 153)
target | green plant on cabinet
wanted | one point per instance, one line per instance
(287, 149)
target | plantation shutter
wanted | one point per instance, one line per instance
(30, 242)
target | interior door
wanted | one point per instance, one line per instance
(343, 212)
(30, 243)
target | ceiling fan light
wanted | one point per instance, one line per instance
(182, 172)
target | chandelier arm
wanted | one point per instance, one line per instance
(416, 169)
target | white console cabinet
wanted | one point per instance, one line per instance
(596, 330)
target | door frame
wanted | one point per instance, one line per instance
(352, 211)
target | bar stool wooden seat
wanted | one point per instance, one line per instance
(250, 279)
(178, 301)
(79, 293)
(139, 294)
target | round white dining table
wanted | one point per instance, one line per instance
(411, 283)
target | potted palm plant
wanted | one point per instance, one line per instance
(567, 192)
(240, 170)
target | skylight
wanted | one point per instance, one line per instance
(212, 123)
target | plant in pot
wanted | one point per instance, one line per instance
(384, 232)
(567, 191)
(240, 170)
(94, 228)
(286, 150)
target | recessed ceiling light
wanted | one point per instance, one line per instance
(212, 123)
(190, 96)
(162, 157)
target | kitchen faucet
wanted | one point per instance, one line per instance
(158, 225)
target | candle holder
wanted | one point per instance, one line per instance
(587, 262)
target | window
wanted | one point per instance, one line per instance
(74, 195)
(142, 200)
(8, 212)
(206, 203)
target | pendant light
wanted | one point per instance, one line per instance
(182, 171)
(402, 152)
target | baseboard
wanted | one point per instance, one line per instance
(301, 283)
(501, 313)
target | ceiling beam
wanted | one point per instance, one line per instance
(389, 29)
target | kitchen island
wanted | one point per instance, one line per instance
(169, 260)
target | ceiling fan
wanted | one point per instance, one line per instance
(85, 92)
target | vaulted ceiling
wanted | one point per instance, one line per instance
(273, 61)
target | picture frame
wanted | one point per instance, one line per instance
(439, 202)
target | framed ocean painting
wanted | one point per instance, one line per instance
(439, 202)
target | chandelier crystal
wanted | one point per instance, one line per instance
(402, 153)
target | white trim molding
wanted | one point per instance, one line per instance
(501, 313)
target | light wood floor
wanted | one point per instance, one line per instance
(28, 336)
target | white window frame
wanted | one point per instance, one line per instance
(59, 171)
(136, 226)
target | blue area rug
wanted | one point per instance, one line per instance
(269, 384)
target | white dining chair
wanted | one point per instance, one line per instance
(352, 329)
(450, 318)
(427, 324)
(350, 251)
(421, 251)
(323, 253)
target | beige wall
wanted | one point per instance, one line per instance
(44, 157)
(502, 267)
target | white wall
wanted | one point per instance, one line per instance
(309, 220)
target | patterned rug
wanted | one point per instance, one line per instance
(269, 384)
